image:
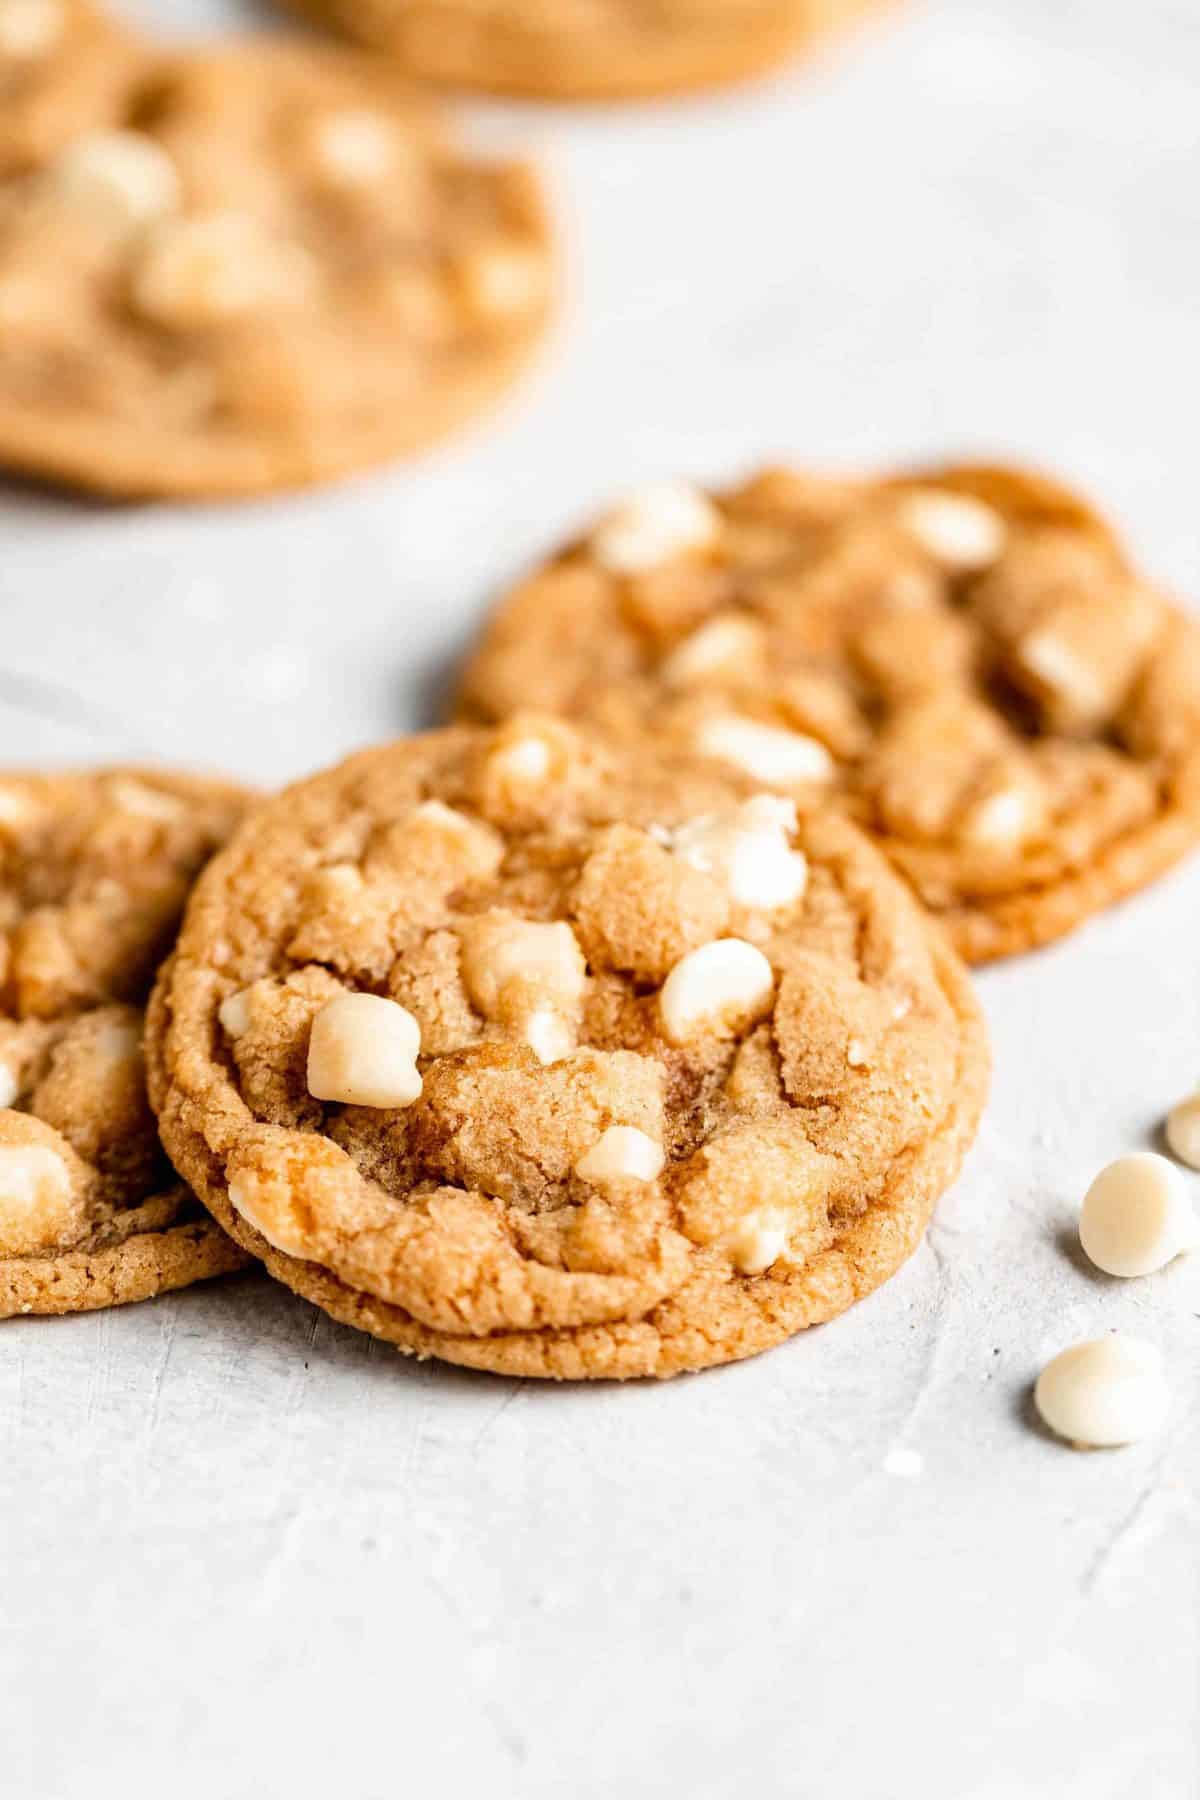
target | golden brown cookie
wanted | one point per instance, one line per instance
(279, 271)
(94, 870)
(584, 49)
(64, 68)
(963, 659)
(541, 1056)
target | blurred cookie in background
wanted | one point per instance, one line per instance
(63, 66)
(585, 49)
(280, 269)
(94, 872)
(963, 659)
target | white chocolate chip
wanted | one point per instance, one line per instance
(485, 849)
(622, 1153)
(36, 1204)
(355, 147)
(730, 643)
(503, 281)
(1001, 819)
(654, 527)
(234, 1014)
(1183, 1131)
(1137, 1216)
(748, 848)
(244, 1199)
(145, 802)
(525, 762)
(10, 1087)
(199, 272)
(30, 29)
(1055, 665)
(116, 175)
(768, 752)
(856, 1054)
(757, 1241)
(958, 531)
(521, 951)
(17, 806)
(1108, 1391)
(720, 987)
(549, 1035)
(529, 975)
(363, 1051)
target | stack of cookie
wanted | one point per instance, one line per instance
(610, 1038)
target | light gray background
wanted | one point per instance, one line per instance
(248, 1552)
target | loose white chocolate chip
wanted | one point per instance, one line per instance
(244, 1200)
(749, 848)
(355, 148)
(36, 1205)
(116, 175)
(1183, 1131)
(960, 532)
(1001, 819)
(1108, 1391)
(720, 987)
(654, 527)
(730, 643)
(757, 1241)
(768, 752)
(10, 1087)
(199, 272)
(1137, 1216)
(234, 1014)
(622, 1153)
(30, 29)
(363, 1051)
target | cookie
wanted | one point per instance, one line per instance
(64, 68)
(584, 49)
(546, 1057)
(279, 271)
(94, 871)
(963, 660)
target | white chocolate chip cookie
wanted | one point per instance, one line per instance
(521, 1049)
(272, 267)
(584, 49)
(962, 660)
(94, 871)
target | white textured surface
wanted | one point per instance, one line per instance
(247, 1552)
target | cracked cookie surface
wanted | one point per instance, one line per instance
(64, 68)
(528, 1052)
(277, 271)
(963, 660)
(94, 871)
(584, 49)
